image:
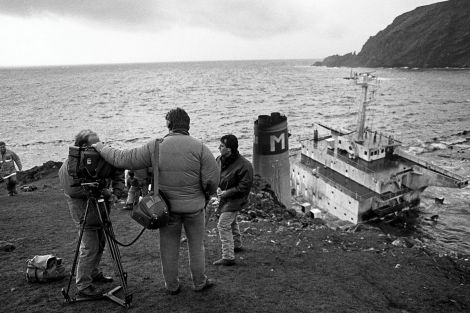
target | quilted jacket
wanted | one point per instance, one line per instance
(188, 172)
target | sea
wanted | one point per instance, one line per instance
(43, 108)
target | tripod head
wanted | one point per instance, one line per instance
(94, 189)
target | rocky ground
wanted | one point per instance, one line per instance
(291, 263)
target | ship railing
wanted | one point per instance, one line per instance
(390, 195)
(353, 163)
(349, 192)
(460, 181)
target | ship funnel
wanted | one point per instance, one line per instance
(271, 154)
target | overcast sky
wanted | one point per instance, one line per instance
(53, 32)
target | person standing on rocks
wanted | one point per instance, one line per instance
(236, 179)
(8, 159)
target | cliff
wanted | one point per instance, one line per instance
(436, 35)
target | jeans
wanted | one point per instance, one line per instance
(92, 244)
(229, 234)
(170, 236)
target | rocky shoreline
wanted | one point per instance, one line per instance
(292, 263)
(38, 172)
(264, 207)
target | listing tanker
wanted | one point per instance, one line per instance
(362, 174)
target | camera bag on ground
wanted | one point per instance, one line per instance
(153, 210)
(44, 268)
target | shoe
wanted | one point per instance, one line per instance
(174, 292)
(90, 292)
(224, 262)
(209, 284)
(238, 249)
(100, 278)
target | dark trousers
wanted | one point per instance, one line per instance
(11, 184)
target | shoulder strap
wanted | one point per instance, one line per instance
(155, 166)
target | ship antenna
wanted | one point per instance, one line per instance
(364, 80)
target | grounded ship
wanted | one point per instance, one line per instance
(362, 174)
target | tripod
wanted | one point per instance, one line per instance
(95, 199)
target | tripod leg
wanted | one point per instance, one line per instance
(114, 250)
(75, 259)
(117, 258)
(109, 234)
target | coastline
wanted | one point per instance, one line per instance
(290, 264)
(263, 207)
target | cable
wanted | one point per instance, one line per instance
(129, 244)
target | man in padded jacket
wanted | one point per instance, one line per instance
(188, 177)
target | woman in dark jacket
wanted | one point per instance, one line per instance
(236, 179)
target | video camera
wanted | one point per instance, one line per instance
(86, 165)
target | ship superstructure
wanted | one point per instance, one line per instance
(361, 174)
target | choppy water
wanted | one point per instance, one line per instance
(42, 109)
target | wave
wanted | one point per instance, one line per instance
(39, 143)
(137, 139)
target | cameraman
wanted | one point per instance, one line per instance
(93, 240)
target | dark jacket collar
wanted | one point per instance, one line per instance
(225, 161)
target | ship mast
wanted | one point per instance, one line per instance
(364, 80)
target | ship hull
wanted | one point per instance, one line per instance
(343, 197)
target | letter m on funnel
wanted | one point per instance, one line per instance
(277, 139)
